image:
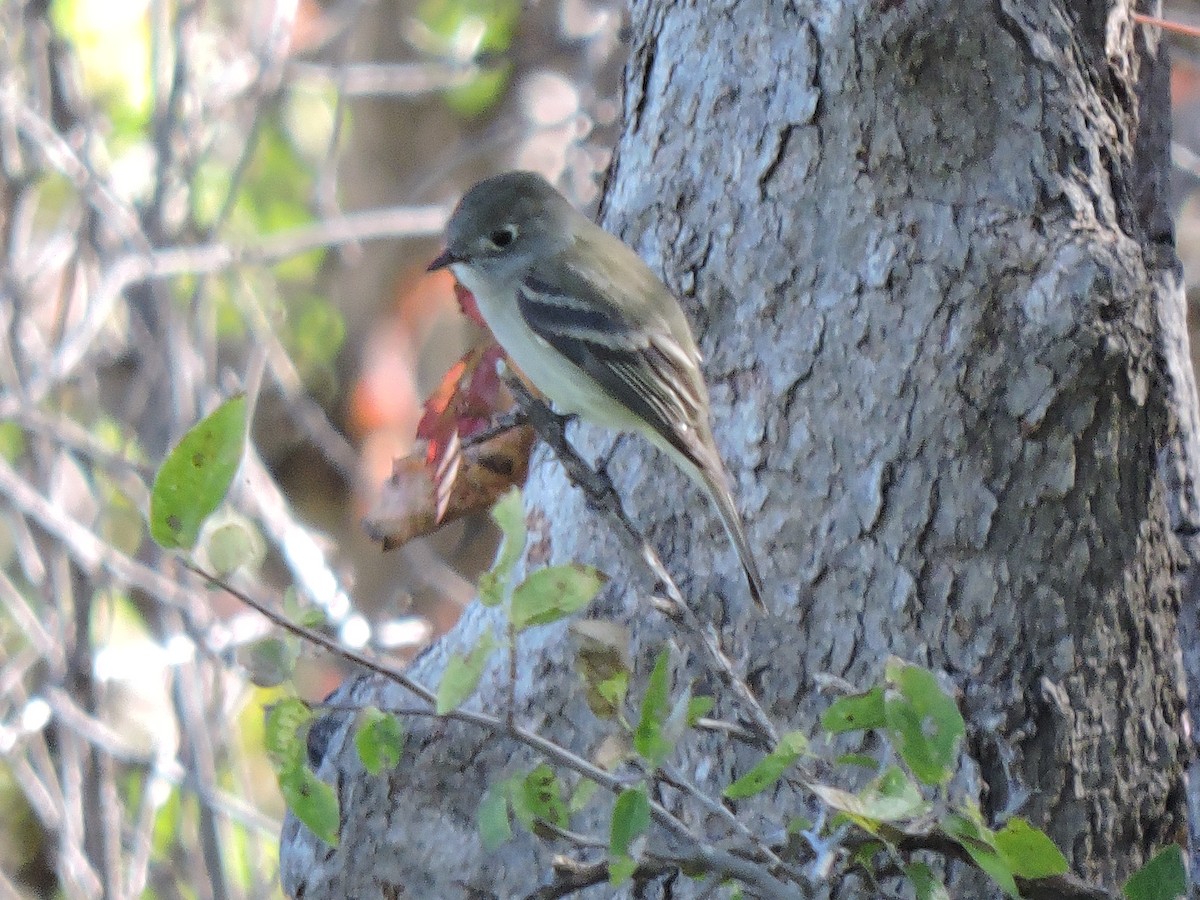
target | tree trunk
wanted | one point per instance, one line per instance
(920, 253)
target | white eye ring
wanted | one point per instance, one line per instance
(503, 236)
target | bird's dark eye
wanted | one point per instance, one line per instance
(502, 237)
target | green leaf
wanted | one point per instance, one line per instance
(621, 869)
(584, 791)
(550, 594)
(311, 801)
(379, 740)
(540, 796)
(462, 674)
(12, 441)
(602, 658)
(610, 694)
(648, 738)
(924, 722)
(285, 731)
(270, 661)
(698, 708)
(1163, 878)
(234, 545)
(478, 96)
(926, 885)
(630, 819)
(193, 479)
(893, 796)
(980, 844)
(857, 712)
(1028, 851)
(770, 768)
(889, 798)
(509, 515)
(866, 853)
(468, 28)
(494, 827)
(797, 824)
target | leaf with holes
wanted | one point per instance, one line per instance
(194, 478)
(924, 721)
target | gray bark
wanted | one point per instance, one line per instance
(913, 243)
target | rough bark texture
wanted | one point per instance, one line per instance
(911, 242)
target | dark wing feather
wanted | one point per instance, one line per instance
(642, 366)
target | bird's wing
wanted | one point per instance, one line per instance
(633, 355)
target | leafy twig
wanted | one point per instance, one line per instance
(603, 496)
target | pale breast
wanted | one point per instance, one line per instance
(553, 374)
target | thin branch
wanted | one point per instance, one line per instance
(676, 779)
(60, 156)
(389, 79)
(709, 856)
(388, 223)
(89, 551)
(169, 769)
(602, 495)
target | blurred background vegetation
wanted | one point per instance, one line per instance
(200, 197)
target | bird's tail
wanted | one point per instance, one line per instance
(718, 490)
(702, 463)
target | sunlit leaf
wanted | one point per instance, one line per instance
(481, 93)
(462, 674)
(1028, 851)
(509, 515)
(891, 797)
(554, 592)
(286, 728)
(111, 45)
(311, 801)
(770, 768)
(234, 545)
(584, 791)
(463, 405)
(12, 441)
(193, 479)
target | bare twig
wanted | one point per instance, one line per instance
(677, 780)
(88, 550)
(116, 746)
(390, 79)
(125, 271)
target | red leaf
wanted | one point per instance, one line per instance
(466, 302)
(463, 404)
